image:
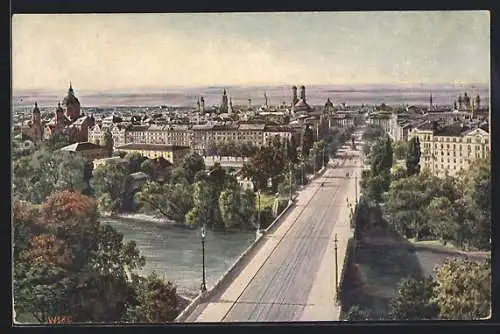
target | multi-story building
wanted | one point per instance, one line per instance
(451, 148)
(252, 133)
(199, 137)
(382, 119)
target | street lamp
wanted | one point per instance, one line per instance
(258, 210)
(356, 187)
(302, 164)
(203, 235)
(290, 200)
(336, 266)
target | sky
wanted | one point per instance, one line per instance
(125, 51)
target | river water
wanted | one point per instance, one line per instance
(175, 252)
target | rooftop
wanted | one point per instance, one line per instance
(151, 147)
(83, 146)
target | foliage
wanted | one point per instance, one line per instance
(413, 157)
(37, 176)
(113, 180)
(372, 132)
(400, 149)
(134, 161)
(192, 164)
(108, 142)
(148, 167)
(237, 207)
(456, 210)
(307, 140)
(414, 300)
(155, 300)
(463, 289)
(355, 313)
(170, 200)
(56, 141)
(67, 264)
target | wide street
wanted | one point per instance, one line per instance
(291, 277)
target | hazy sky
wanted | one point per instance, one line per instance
(119, 51)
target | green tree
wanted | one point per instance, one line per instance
(149, 167)
(178, 176)
(173, 201)
(292, 150)
(400, 149)
(192, 164)
(108, 142)
(114, 180)
(237, 207)
(134, 161)
(72, 265)
(372, 132)
(39, 175)
(307, 140)
(414, 300)
(413, 156)
(56, 141)
(155, 300)
(463, 290)
(355, 313)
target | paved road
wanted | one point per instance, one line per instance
(290, 277)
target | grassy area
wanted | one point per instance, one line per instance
(266, 201)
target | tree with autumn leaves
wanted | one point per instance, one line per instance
(68, 264)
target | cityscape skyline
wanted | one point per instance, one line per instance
(284, 48)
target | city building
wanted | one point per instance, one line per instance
(450, 148)
(70, 122)
(87, 150)
(173, 154)
(33, 130)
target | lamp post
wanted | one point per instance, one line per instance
(290, 200)
(314, 163)
(356, 187)
(336, 266)
(203, 235)
(302, 172)
(258, 210)
(323, 161)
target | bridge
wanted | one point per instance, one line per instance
(234, 162)
(290, 273)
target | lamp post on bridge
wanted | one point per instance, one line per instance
(203, 282)
(336, 266)
(258, 211)
(290, 199)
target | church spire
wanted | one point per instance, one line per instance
(70, 90)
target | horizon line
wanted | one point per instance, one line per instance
(227, 85)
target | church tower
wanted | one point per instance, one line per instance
(72, 104)
(202, 102)
(295, 99)
(303, 93)
(224, 105)
(36, 121)
(60, 117)
(430, 103)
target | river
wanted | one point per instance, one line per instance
(175, 252)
